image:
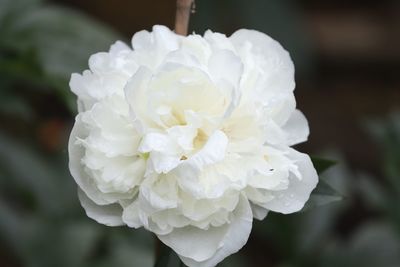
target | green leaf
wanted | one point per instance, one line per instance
(323, 194)
(321, 165)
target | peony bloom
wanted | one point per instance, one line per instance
(190, 138)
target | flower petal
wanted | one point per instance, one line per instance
(206, 248)
(109, 215)
(298, 192)
(296, 128)
(212, 152)
(130, 215)
(275, 57)
(259, 212)
(76, 153)
(225, 65)
(135, 94)
(188, 171)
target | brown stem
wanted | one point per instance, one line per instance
(183, 9)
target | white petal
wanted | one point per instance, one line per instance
(161, 39)
(165, 38)
(141, 40)
(188, 171)
(130, 215)
(78, 85)
(158, 192)
(157, 142)
(226, 69)
(162, 163)
(207, 248)
(225, 65)
(212, 152)
(183, 135)
(169, 218)
(135, 94)
(100, 63)
(298, 192)
(183, 58)
(76, 153)
(269, 181)
(218, 40)
(109, 215)
(258, 196)
(275, 56)
(197, 47)
(259, 212)
(113, 62)
(112, 133)
(164, 152)
(119, 47)
(91, 87)
(296, 128)
(280, 107)
(273, 134)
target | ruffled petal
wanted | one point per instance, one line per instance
(225, 65)
(276, 58)
(189, 171)
(296, 128)
(299, 189)
(130, 215)
(135, 94)
(259, 212)
(207, 248)
(109, 215)
(76, 153)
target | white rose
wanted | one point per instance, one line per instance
(190, 137)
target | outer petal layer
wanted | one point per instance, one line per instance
(206, 248)
(295, 196)
(110, 215)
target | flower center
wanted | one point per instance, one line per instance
(199, 140)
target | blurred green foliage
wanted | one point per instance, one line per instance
(42, 45)
(41, 221)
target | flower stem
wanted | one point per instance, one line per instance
(183, 9)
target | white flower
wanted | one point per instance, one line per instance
(190, 137)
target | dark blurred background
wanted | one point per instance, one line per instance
(347, 57)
